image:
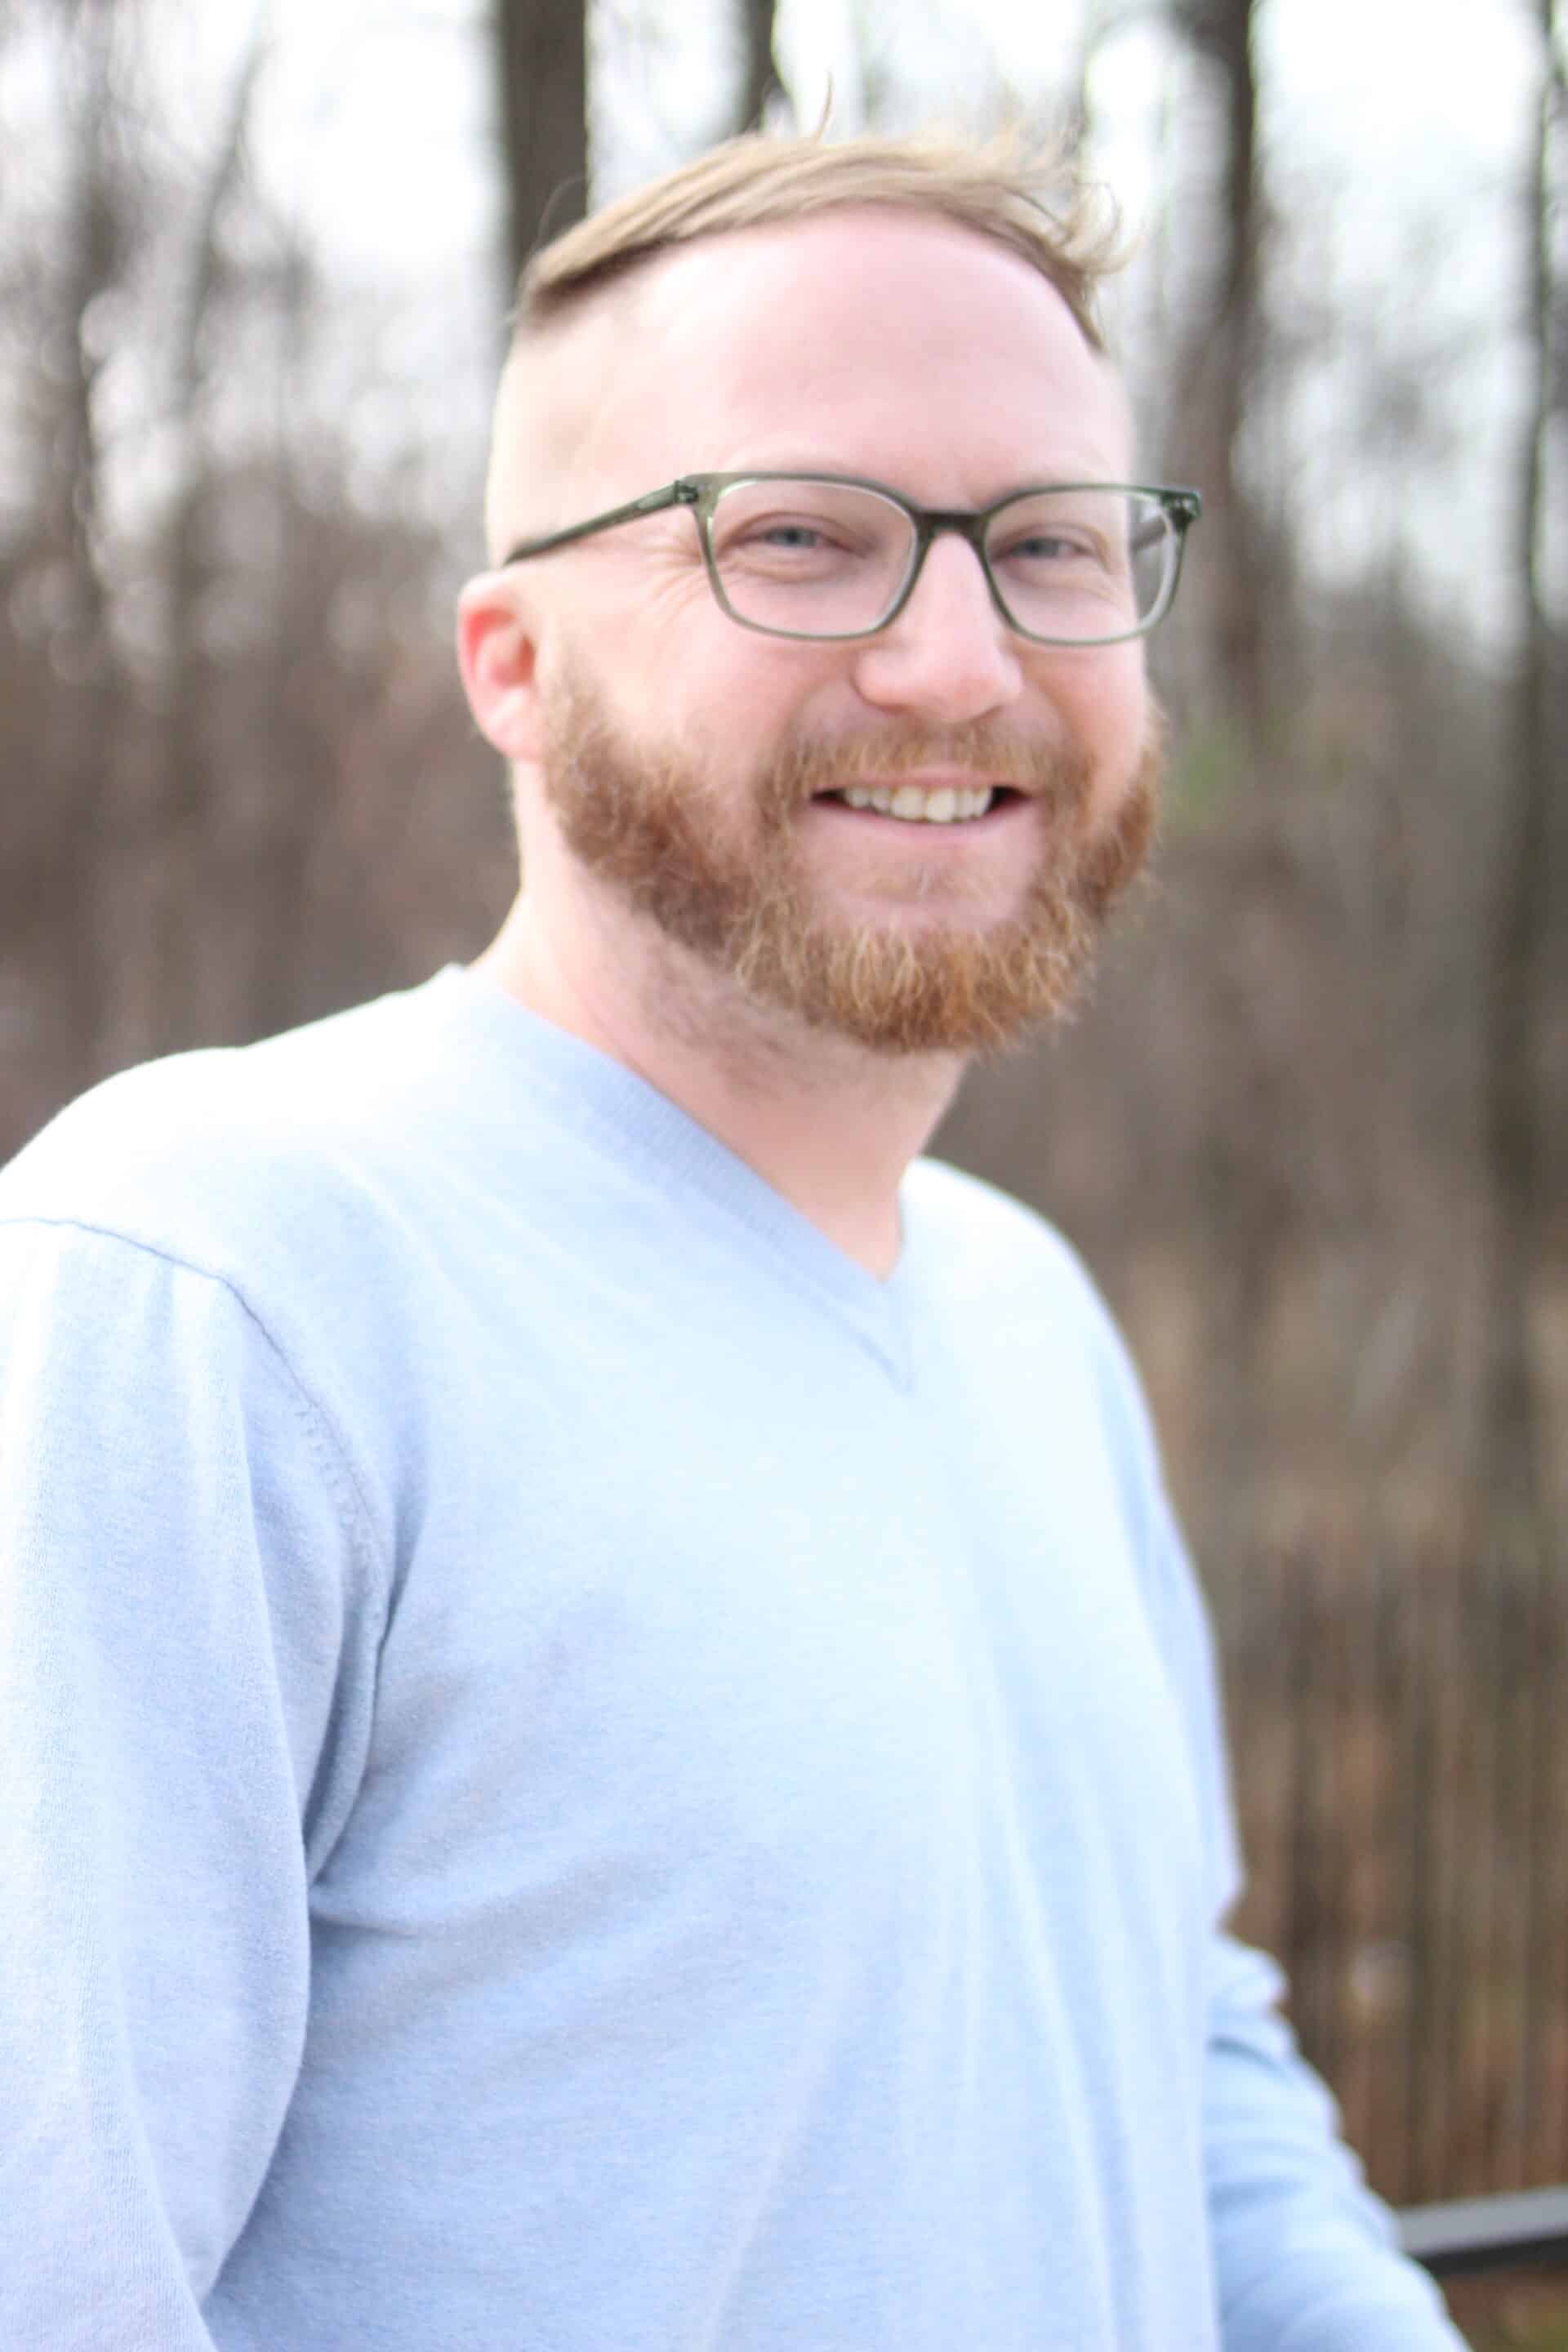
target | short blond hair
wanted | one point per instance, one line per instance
(1030, 200)
(1027, 200)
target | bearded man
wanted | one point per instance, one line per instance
(612, 1746)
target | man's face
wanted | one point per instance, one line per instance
(696, 770)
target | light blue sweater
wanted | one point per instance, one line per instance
(581, 1776)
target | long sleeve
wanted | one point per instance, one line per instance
(1306, 2256)
(180, 1712)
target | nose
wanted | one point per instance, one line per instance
(949, 657)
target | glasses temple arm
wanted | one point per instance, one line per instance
(679, 493)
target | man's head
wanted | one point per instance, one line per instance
(906, 316)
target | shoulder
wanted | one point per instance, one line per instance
(219, 1158)
(235, 1222)
(1005, 1267)
(985, 1240)
(289, 1175)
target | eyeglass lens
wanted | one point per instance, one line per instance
(827, 559)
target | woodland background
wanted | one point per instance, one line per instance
(1312, 1134)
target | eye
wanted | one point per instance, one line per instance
(1045, 545)
(1042, 546)
(806, 537)
(790, 541)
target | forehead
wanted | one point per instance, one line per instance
(863, 341)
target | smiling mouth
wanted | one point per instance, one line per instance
(914, 804)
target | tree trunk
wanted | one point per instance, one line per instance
(68, 907)
(1250, 1200)
(761, 88)
(1512, 1462)
(1224, 371)
(184, 810)
(542, 60)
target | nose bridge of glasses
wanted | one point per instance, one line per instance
(931, 524)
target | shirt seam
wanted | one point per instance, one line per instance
(342, 1475)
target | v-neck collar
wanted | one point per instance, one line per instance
(620, 1112)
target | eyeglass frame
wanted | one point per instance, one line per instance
(700, 493)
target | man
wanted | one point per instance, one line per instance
(611, 1745)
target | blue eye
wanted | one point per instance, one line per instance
(1040, 545)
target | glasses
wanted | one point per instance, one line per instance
(829, 555)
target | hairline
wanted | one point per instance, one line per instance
(760, 182)
(546, 307)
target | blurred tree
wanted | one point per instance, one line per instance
(237, 787)
(1514, 1424)
(542, 61)
(183, 823)
(762, 90)
(1254, 1028)
(55, 873)
(1223, 367)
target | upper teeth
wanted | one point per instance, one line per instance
(941, 807)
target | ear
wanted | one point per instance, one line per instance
(497, 654)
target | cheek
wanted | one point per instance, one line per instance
(743, 695)
(1105, 698)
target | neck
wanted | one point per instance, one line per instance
(831, 1126)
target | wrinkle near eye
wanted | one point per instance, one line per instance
(673, 586)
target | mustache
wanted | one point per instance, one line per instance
(992, 754)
